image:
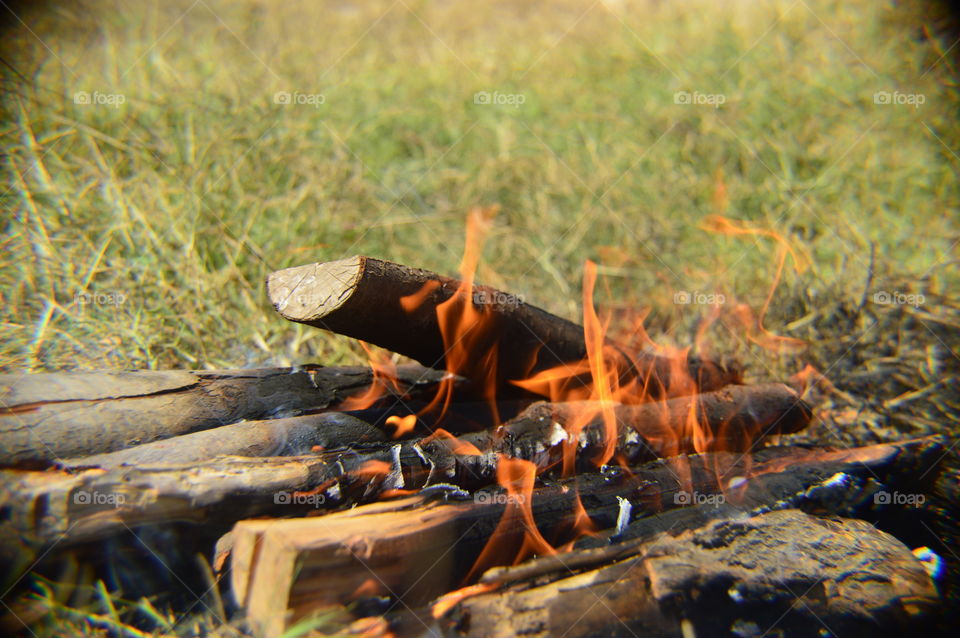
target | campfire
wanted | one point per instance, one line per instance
(526, 476)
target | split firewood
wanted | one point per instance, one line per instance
(363, 298)
(292, 436)
(730, 577)
(50, 417)
(410, 551)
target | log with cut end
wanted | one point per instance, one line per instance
(45, 418)
(411, 552)
(729, 577)
(362, 297)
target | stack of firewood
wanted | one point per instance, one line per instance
(490, 512)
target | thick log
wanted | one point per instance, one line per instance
(410, 552)
(783, 571)
(62, 509)
(292, 436)
(49, 417)
(361, 297)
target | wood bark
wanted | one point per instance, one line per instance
(409, 551)
(361, 297)
(49, 417)
(292, 436)
(63, 509)
(785, 570)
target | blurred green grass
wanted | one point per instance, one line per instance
(165, 213)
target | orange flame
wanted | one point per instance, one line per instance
(369, 587)
(754, 327)
(372, 469)
(384, 378)
(465, 327)
(404, 424)
(605, 378)
(449, 600)
(455, 445)
(517, 477)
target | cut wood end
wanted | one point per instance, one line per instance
(310, 292)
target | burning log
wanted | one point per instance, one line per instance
(384, 303)
(49, 417)
(741, 577)
(412, 551)
(735, 418)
